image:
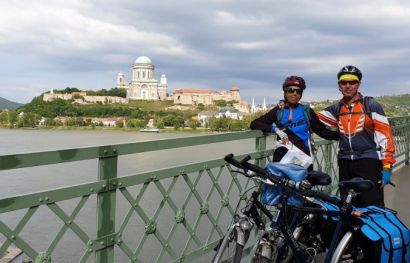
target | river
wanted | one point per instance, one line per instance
(34, 179)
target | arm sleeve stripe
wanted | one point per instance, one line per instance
(327, 118)
(380, 118)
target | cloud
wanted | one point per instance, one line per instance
(53, 44)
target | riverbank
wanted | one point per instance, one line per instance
(106, 128)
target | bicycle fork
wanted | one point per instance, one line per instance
(241, 228)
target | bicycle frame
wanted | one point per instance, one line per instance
(288, 187)
(242, 223)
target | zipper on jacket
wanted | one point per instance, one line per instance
(348, 128)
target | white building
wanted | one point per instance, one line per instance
(229, 112)
(143, 85)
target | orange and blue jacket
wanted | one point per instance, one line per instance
(361, 134)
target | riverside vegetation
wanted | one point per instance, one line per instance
(137, 113)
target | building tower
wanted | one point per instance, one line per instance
(235, 93)
(253, 107)
(264, 108)
(162, 87)
(120, 80)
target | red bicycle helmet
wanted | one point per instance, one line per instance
(294, 81)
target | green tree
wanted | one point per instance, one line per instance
(237, 125)
(119, 124)
(219, 124)
(4, 118)
(178, 122)
(28, 120)
(193, 124)
(160, 124)
(74, 121)
(13, 117)
(221, 103)
(200, 107)
(50, 122)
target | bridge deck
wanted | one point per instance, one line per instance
(398, 198)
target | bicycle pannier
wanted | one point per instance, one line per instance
(387, 232)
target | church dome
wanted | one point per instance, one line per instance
(143, 60)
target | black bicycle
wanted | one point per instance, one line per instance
(345, 245)
(253, 212)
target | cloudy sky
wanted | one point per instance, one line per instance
(211, 44)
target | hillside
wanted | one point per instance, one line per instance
(397, 105)
(394, 105)
(6, 104)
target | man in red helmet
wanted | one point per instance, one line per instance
(292, 121)
(366, 146)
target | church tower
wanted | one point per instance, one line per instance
(162, 87)
(120, 80)
(264, 108)
(253, 107)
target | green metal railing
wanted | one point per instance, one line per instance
(174, 214)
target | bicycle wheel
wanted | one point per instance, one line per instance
(230, 248)
(348, 251)
(259, 259)
(262, 253)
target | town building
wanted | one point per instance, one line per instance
(229, 112)
(64, 96)
(143, 85)
(205, 96)
(82, 98)
(209, 97)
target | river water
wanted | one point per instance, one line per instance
(34, 179)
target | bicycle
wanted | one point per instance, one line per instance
(347, 242)
(239, 231)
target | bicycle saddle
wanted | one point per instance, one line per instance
(318, 178)
(357, 184)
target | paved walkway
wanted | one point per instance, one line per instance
(398, 198)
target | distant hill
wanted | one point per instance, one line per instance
(394, 105)
(6, 104)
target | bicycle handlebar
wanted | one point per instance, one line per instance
(303, 188)
(260, 172)
(229, 159)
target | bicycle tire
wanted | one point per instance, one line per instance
(238, 253)
(257, 255)
(259, 259)
(238, 249)
(344, 249)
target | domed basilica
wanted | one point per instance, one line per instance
(143, 85)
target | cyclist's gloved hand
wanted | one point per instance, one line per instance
(386, 176)
(282, 135)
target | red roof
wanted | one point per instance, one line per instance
(234, 88)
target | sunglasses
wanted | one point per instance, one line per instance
(350, 82)
(290, 90)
